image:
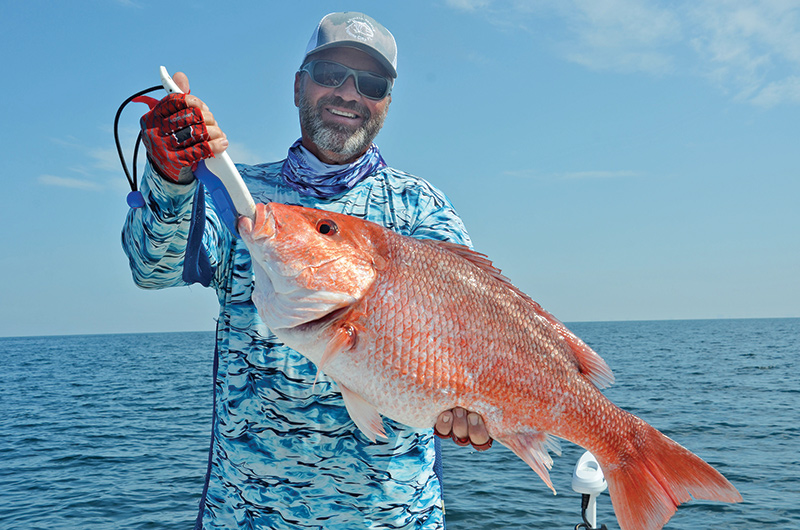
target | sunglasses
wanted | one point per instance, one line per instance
(333, 75)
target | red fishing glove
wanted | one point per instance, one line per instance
(175, 135)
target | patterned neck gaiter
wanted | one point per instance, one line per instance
(307, 174)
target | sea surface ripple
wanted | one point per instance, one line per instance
(112, 431)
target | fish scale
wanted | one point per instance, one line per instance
(410, 328)
(461, 314)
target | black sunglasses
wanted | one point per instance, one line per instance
(333, 75)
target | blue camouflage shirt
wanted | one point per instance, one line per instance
(284, 455)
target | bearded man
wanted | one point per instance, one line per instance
(285, 454)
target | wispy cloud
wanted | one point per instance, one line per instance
(66, 182)
(89, 168)
(468, 5)
(105, 159)
(787, 90)
(100, 167)
(240, 153)
(620, 35)
(748, 48)
(575, 175)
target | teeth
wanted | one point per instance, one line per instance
(342, 113)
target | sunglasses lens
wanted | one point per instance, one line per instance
(330, 74)
(372, 86)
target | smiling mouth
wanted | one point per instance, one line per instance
(343, 113)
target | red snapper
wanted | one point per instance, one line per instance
(410, 328)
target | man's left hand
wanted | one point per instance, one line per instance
(464, 428)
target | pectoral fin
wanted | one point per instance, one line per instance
(363, 414)
(343, 339)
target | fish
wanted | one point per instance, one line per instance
(409, 328)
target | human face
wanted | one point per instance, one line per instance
(339, 124)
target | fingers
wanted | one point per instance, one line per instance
(182, 81)
(188, 110)
(180, 131)
(218, 146)
(217, 140)
(444, 424)
(478, 435)
(460, 428)
(464, 427)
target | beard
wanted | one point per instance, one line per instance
(340, 142)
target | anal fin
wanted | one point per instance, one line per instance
(533, 447)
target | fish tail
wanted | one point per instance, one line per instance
(648, 482)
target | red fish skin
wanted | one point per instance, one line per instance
(439, 327)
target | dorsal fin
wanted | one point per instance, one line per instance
(476, 258)
(592, 366)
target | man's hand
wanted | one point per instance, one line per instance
(464, 427)
(179, 132)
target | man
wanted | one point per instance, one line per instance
(284, 454)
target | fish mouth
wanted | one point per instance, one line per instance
(265, 225)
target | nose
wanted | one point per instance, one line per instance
(348, 90)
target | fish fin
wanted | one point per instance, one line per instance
(649, 481)
(592, 366)
(533, 448)
(343, 339)
(476, 258)
(379, 262)
(363, 414)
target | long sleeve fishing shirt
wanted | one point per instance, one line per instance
(284, 454)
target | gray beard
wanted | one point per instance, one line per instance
(340, 143)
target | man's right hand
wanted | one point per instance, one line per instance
(179, 132)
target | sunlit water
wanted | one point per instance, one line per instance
(111, 431)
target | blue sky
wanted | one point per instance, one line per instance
(618, 159)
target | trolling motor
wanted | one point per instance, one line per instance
(218, 174)
(588, 480)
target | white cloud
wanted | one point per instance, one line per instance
(621, 35)
(787, 90)
(66, 182)
(90, 168)
(468, 5)
(241, 154)
(749, 48)
(575, 175)
(600, 174)
(106, 159)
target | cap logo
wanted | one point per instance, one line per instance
(360, 29)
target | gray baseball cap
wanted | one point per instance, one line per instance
(355, 30)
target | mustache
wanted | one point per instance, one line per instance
(337, 101)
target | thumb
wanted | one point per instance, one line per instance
(182, 81)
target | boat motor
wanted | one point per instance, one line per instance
(588, 480)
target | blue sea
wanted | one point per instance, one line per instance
(111, 431)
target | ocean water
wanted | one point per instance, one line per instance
(111, 431)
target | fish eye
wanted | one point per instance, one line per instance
(326, 227)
